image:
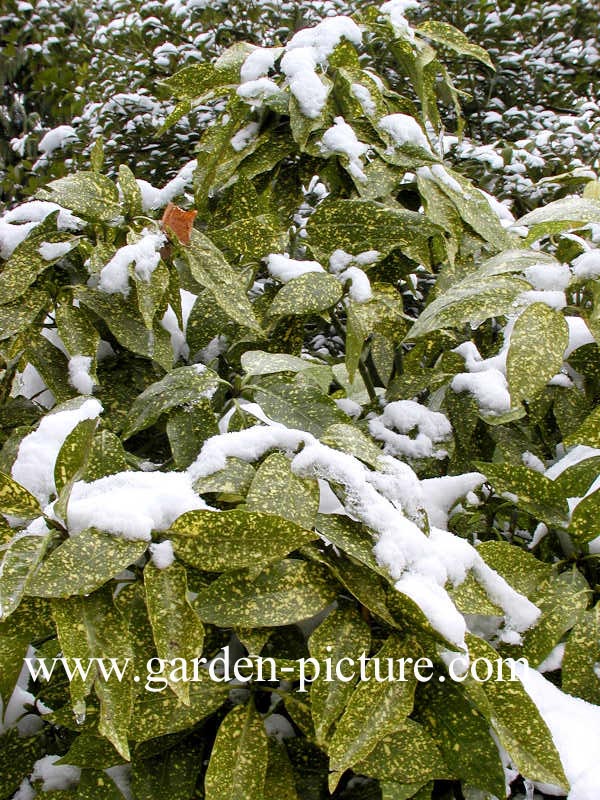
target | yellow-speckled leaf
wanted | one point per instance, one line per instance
(239, 757)
(287, 592)
(343, 634)
(310, 293)
(30, 258)
(15, 499)
(106, 457)
(230, 540)
(409, 755)
(16, 316)
(276, 490)
(350, 439)
(158, 712)
(297, 405)
(463, 736)
(359, 225)
(522, 570)
(74, 453)
(83, 563)
(537, 345)
(375, 709)
(132, 196)
(451, 37)
(535, 493)
(279, 780)
(588, 432)
(562, 599)
(93, 628)
(210, 269)
(560, 215)
(584, 520)
(19, 562)
(472, 300)
(233, 481)
(582, 653)
(89, 195)
(519, 725)
(177, 629)
(180, 387)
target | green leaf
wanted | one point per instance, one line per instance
(472, 301)
(310, 293)
(560, 215)
(530, 366)
(279, 780)
(588, 432)
(535, 493)
(27, 262)
(522, 570)
(297, 405)
(97, 785)
(19, 563)
(375, 709)
(88, 748)
(106, 457)
(238, 761)
(276, 490)
(90, 196)
(177, 630)
(359, 225)
(252, 238)
(562, 600)
(230, 540)
(83, 563)
(18, 315)
(132, 196)
(463, 736)
(350, 439)
(343, 634)
(29, 621)
(352, 537)
(450, 37)
(409, 755)
(233, 481)
(210, 269)
(584, 519)
(93, 628)
(15, 499)
(519, 725)
(159, 713)
(188, 428)
(259, 362)
(73, 455)
(170, 775)
(183, 386)
(582, 653)
(76, 330)
(284, 593)
(17, 757)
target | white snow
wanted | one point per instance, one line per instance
(548, 277)
(360, 285)
(50, 251)
(501, 210)
(284, 268)
(553, 660)
(245, 136)
(576, 455)
(382, 500)
(162, 554)
(256, 91)
(308, 49)
(439, 495)
(554, 299)
(575, 728)
(79, 374)
(18, 222)
(341, 139)
(36, 457)
(405, 129)
(394, 10)
(488, 387)
(587, 265)
(259, 63)
(579, 334)
(402, 417)
(143, 254)
(363, 95)
(56, 139)
(153, 198)
(131, 504)
(533, 462)
(55, 777)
